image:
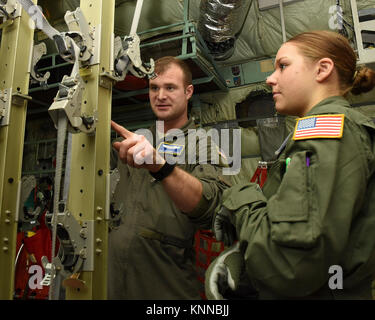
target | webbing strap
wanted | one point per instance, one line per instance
(61, 134)
(40, 20)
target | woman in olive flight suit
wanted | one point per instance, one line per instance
(310, 232)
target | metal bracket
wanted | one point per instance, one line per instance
(127, 52)
(127, 57)
(9, 10)
(18, 99)
(38, 51)
(7, 98)
(76, 246)
(107, 80)
(69, 100)
(49, 272)
(75, 46)
(82, 33)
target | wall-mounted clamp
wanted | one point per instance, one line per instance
(76, 247)
(128, 58)
(49, 272)
(69, 100)
(9, 10)
(7, 98)
(39, 50)
(83, 35)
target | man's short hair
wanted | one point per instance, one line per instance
(162, 64)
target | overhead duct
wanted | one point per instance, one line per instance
(220, 23)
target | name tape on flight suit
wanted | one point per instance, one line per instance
(320, 126)
(168, 148)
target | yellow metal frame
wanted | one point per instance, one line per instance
(89, 182)
(15, 57)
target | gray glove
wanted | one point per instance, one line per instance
(226, 277)
(223, 228)
(223, 273)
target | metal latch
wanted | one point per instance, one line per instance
(76, 247)
(9, 10)
(49, 272)
(69, 100)
(82, 34)
(128, 58)
(7, 98)
(38, 51)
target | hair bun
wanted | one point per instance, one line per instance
(364, 81)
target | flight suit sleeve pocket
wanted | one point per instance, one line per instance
(242, 194)
(288, 210)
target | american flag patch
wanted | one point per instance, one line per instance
(322, 126)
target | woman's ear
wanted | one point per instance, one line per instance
(325, 68)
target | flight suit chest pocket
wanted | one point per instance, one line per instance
(291, 197)
(290, 211)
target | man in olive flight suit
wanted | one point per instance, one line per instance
(315, 216)
(151, 252)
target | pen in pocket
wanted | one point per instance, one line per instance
(307, 161)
